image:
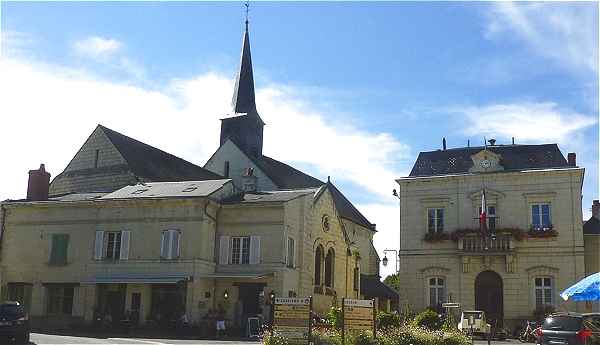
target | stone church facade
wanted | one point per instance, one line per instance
(129, 229)
(534, 244)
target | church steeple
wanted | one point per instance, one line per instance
(243, 93)
(245, 130)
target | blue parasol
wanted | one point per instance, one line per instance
(587, 289)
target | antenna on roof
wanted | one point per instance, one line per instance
(513, 140)
(468, 143)
(485, 142)
(444, 143)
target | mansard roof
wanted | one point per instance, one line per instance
(152, 164)
(592, 226)
(513, 157)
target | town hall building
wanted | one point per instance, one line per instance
(496, 228)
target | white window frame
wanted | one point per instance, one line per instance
(291, 254)
(437, 288)
(116, 250)
(238, 258)
(542, 289)
(166, 236)
(436, 219)
(543, 226)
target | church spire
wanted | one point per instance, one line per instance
(243, 94)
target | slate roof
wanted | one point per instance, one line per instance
(152, 164)
(514, 157)
(168, 189)
(285, 176)
(268, 196)
(371, 286)
(243, 94)
(592, 226)
(346, 209)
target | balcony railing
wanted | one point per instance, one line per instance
(478, 244)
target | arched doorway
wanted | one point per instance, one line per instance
(489, 296)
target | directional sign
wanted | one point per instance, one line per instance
(291, 319)
(358, 315)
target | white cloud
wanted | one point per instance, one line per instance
(97, 47)
(53, 109)
(386, 215)
(535, 122)
(564, 32)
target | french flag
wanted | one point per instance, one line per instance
(483, 215)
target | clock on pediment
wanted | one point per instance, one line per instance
(486, 161)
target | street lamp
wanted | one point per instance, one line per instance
(385, 260)
(226, 294)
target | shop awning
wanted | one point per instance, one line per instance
(239, 275)
(138, 279)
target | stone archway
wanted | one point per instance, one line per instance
(489, 296)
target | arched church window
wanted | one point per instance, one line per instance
(318, 264)
(329, 267)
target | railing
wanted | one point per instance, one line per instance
(478, 244)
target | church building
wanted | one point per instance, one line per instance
(129, 230)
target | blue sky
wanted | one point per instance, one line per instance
(374, 83)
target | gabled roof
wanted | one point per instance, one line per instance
(514, 157)
(344, 207)
(371, 286)
(152, 164)
(281, 174)
(592, 226)
(268, 196)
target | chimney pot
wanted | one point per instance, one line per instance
(596, 209)
(38, 185)
(572, 159)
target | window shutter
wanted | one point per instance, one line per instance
(254, 250)
(164, 245)
(224, 250)
(98, 245)
(125, 239)
(173, 244)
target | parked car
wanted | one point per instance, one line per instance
(474, 323)
(14, 322)
(570, 329)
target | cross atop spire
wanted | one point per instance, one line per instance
(243, 93)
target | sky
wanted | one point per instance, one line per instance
(351, 90)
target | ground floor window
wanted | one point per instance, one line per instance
(19, 292)
(168, 302)
(437, 291)
(59, 299)
(543, 291)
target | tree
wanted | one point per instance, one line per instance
(393, 280)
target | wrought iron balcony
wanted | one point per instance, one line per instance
(479, 244)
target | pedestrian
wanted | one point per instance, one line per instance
(220, 321)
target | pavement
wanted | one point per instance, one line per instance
(49, 339)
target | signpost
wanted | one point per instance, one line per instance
(291, 319)
(358, 315)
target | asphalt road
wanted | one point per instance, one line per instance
(48, 339)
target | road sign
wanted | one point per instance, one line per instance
(291, 319)
(450, 305)
(357, 315)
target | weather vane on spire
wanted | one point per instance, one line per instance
(247, 4)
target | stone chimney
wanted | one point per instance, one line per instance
(38, 185)
(572, 159)
(596, 209)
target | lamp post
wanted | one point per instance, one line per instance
(397, 195)
(385, 260)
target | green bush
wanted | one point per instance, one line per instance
(456, 338)
(270, 339)
(387, 320)
(363, 338)
(334, 317)
(428, 319)
(326, 337)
